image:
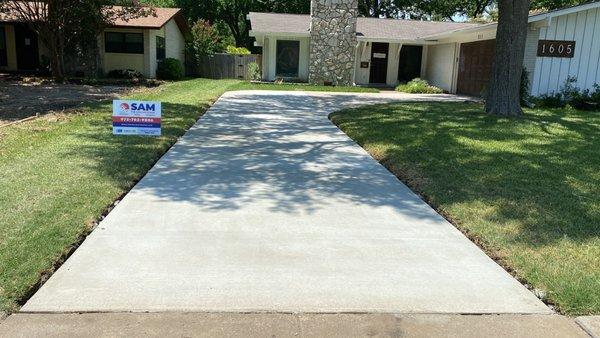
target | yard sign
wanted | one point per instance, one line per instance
(136, 118)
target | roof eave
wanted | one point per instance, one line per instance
(417, 41)
(255, 33)
(460, 31)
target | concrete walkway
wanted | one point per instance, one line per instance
(264, 205)
(249, 325)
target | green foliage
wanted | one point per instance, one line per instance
(170, 69)
(128, 74)
(553, 100)
(571, 95)
(418, 86)
(555, 4)
(254, 71)
(237, 50)
(205, 39)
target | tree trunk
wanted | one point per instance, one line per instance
(503, 96)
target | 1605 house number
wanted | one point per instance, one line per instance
(554, 48)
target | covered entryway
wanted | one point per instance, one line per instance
(379, 62)
(409, 66)
(475, 67)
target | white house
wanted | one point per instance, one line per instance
(456, 57)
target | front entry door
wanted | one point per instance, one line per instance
(28, 57)
(379, 62)
(409, 67)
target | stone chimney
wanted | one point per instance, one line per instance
(332, 42)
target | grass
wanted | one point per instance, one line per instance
(527, 189)
(302, 87)
(59, 173)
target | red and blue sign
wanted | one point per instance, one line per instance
(136, 118)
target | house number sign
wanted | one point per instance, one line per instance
(557, 49)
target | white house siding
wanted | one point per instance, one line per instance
(363, 55)
(439, 69)
(265, 58)
(582, 27)
(270, 55)
(531, 53)
(393, 63)
(174, 41)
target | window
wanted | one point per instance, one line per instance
(131, 43)
(3, 57)
(288, 58)
(160, 48)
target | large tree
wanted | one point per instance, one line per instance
(503, 96)
(58, 24)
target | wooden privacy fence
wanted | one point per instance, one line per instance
(227, 66)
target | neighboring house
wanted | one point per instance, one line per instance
(138, 43)
(333, 45)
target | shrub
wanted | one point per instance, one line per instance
(237, 50)
(571, 95)
(205, 39)
(595, 95)
(553, 100)
(254, 71)
(419, 86)
(129, 74)
(170, 69)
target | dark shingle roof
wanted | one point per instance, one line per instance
(372, 28)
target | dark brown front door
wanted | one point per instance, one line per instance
(475, 67)
(379, 62)
(409, 66)
(28, 57)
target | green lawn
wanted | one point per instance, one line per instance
(527, 189)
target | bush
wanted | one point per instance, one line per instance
(571, 95)
(595, 95)
(254, 71)
(205, 39)
(170, 69)
(129, 74)
(418, 86)
(553, 100)
(237, 50)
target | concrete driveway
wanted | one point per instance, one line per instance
(264, 205)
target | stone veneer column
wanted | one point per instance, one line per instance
(332, 41)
